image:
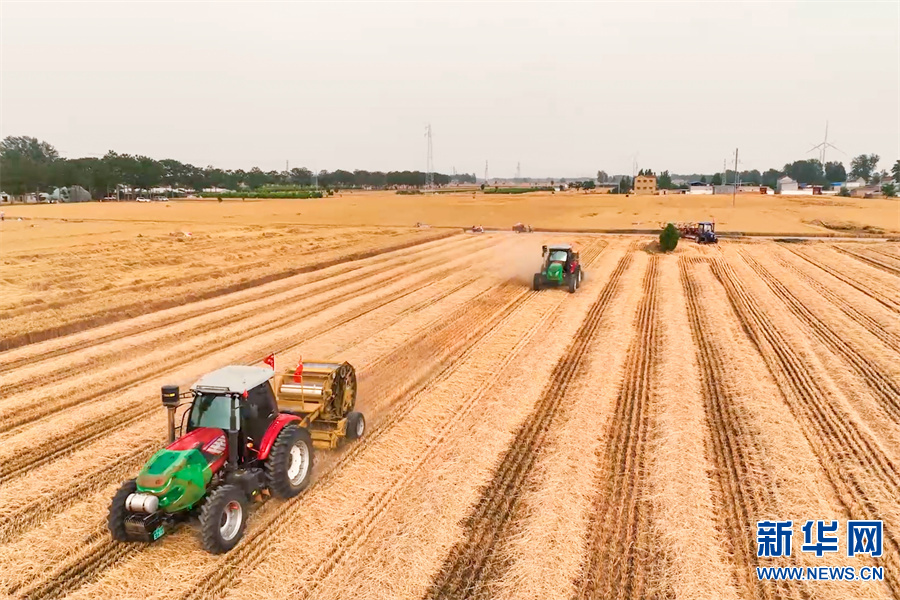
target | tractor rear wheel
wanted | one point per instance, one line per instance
(573, 283)
(117, 511)
(537, 282)
(289, 464)
(223, 518)
(356, 425)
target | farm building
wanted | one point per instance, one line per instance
(786, 184)
(644, 185)
(75, 193)
(699, 187)
(867, 191)
(741, 189)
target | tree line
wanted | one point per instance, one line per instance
(811, 172)
(30, 165)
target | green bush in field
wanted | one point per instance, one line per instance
(668, 239)
(518, 190)
(296, 195)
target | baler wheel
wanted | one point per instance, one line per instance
(289, 465)
(223, 519)
(117, 511)
(356, 425)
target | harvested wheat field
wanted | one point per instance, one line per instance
(569, 210)
(618, 442)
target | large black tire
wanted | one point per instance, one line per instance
(356, 425)
(223, 518)
(115, 520)
(573, 283)
(289, 464)
(537, 282)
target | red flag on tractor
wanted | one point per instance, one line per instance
(298, 373)
(270, 360)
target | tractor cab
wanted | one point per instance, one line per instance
(706, 233)
(239, 391)
(560, 266)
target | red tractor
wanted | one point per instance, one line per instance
(245, 431)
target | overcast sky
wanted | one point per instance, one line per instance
(564, 88)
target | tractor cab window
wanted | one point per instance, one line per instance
(211, 410)
(559, 256)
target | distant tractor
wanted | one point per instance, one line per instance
(522, 228)
(560, 267)
(703, 232)
(477, 229)
(706, 233)
(246, 431)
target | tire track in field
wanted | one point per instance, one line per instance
(620, 561)
(856, 466)
(246, 556)
(451, 337)
(883, 387)
(885, 252)
(128, 311)
(869, 260)
(882, 299)
(871, 325)
(473, 561)
(738, 458)
(28, 415)
(67, 442)
(30, 514)
(352, 266)
(38, 410)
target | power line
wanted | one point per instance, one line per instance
(429, 162)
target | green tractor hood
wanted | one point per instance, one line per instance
(179, 474)
(555, 272)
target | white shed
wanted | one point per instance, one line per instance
(786, 184)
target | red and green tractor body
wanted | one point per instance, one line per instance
(244, 432)
(560, 267)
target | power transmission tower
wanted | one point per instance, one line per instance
(734, 189)
(485, 172)
(429, 162)
(518, 171)
(823, 146)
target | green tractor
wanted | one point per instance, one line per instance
(247, 431)
(560, 266)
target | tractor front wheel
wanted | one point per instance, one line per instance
(289, 465)
(117, 511)
(356, 425)
(223, 518)
(537, 282)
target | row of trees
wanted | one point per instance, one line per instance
(810, 171)
(31, 165)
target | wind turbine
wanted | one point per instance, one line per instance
(823, 146)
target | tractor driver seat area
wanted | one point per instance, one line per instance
(261, 412)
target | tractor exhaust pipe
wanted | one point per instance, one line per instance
(170, 401)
